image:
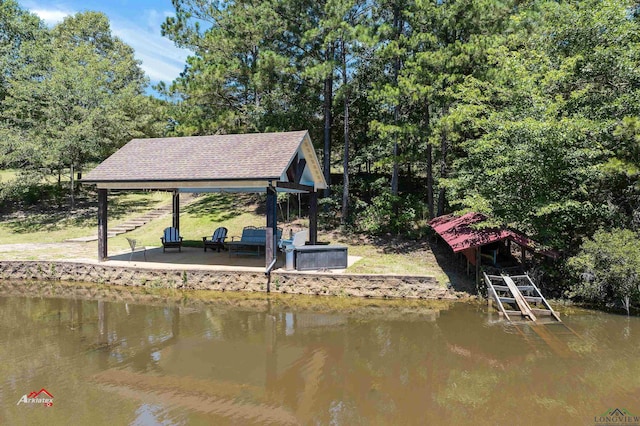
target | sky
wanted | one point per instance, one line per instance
(136, 22)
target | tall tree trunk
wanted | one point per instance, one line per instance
(345, 163)
(430, 204)
(254, 66)
(394, 176)
(397, 25)
(72, 188)
(444, 143)
(427, 134)
(328, 121)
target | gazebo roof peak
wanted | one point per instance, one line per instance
(241, 162)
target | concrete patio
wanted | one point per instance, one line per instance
(197, 259)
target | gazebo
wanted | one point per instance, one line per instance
(257, 162)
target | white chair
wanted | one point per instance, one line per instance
(134, 245)
(298, 240)
(290, 247)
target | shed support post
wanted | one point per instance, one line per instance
(102, 225)
(176, 210)
(313, 217)
(478, 260)
(272, 228)
(523, 255)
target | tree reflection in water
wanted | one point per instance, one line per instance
(270, 361)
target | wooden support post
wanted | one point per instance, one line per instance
(523, 255)
(176, 210)
(478, 261)
(102, 225)
(272, 229)
(313, 217)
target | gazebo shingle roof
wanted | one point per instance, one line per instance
(218, 157)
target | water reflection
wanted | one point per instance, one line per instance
(232, 362)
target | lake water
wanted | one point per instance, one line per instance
(258, 360)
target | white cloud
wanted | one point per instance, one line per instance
(161, 59)
(51, 16)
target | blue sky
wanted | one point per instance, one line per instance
(136, 22)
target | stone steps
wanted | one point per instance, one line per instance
(136, 223)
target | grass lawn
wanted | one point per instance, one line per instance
(55, 226)
(7, 175)
(198, 218)
(378, 259)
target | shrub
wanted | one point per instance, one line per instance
(373, 209)
(607, 269)
(389, 213)
(329, 209)
(28, 189)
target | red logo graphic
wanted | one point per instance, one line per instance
(40, 397)
(35, 394)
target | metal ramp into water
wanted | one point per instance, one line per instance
(518, 296)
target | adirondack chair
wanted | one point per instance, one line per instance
(217, 239)
(171, 239)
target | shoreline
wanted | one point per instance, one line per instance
(188, 300)
(193, 278)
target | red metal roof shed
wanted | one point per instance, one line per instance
(460, 234)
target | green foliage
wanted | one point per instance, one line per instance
(71, 95)
(375, 210)
(26, 190)
(329, 208)
(19, 30)
(548, 141)
(389, 213)
(525, 111)
(246, 73)
(608, 269)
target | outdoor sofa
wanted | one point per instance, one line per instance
(252, 241)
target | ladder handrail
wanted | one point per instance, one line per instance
(544, 301)
(495, 295)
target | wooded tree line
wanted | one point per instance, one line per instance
(527, 111)
(69, 95)
(524, 110)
